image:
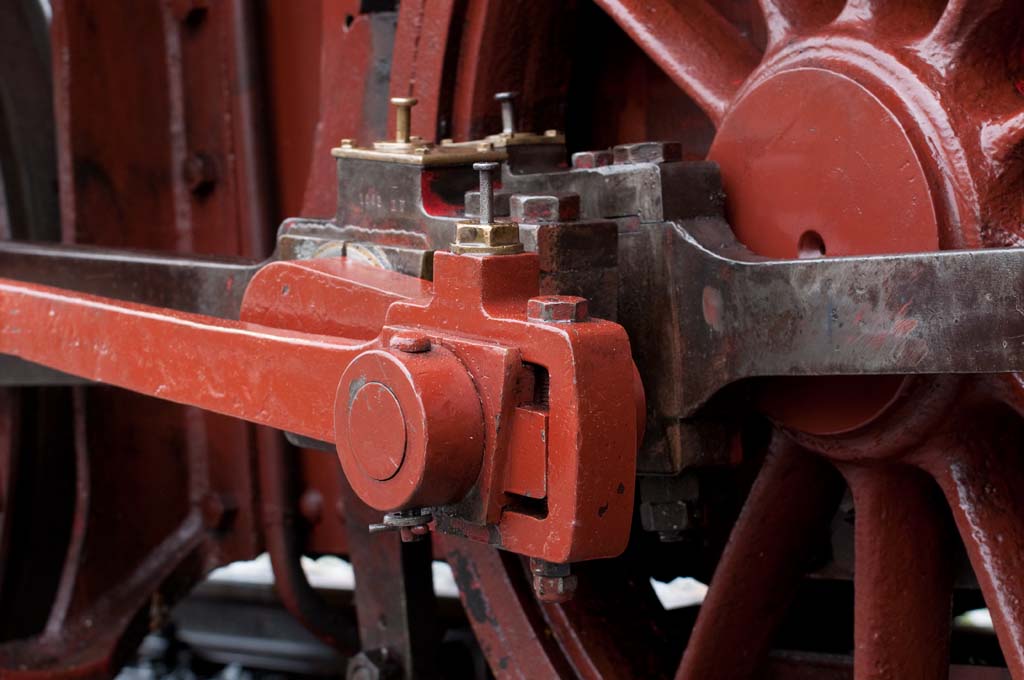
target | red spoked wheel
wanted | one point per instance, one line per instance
(865, 126)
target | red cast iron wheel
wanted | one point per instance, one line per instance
(864, 126)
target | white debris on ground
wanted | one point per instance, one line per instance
(333, 572)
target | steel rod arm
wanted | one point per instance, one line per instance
(189, 283)
(278, 378)
(926, 313)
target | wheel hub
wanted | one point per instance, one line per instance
(817, 162)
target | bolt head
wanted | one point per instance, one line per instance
(557, 309)
(218, 510)
(545, 208)
(311, 505)
(554, 588)
(404, 101)
(411, 344)
(592, 159)
(200, 173)
(648, 152)
(485, 166)
(505, 96)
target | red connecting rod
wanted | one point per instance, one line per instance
(472, 394)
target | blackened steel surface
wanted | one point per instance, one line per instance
(189, 283)
(741, 316)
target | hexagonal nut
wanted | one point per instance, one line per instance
(557, 309)
(648, 152)
(582, 160)
(499, 238)
(554, 588)
(374, 664)
(534, 208)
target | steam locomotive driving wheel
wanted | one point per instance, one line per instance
(780, 354)
(863, 128)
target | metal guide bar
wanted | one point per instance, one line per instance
(741, 316)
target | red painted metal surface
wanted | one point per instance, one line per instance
(436, 440)
(928, 93)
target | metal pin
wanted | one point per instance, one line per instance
(486, 171)
(403, 117)
(508, 111)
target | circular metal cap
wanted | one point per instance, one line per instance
(376, 431)
(409, 428)
(832, 171)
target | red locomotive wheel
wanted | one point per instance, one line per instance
(841, 522)
(841, 128)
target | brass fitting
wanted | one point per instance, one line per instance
(487, 237)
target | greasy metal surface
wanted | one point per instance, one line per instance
(743, 316)
(208, 285)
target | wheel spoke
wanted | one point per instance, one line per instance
(613, 632)
(502, 610)
(1001, 139)
(793, 500)
(785, 19)
(891, 16)
(902, 580)
(698, 49)
(984, 486)
(955, 29)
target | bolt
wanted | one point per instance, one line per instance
(218, 510)
(648, 152)
(200, 173)
(412, 344)
(311, 505)
(508, 111)
(592, 159)
(552, 582)
(545, 208)
(412, 524)
(403, 117)
(486, 171)
(557, 309)
(373, 664)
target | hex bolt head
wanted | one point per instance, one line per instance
(648, 152)
(544, 208)
(552, 582)
(557, 309)
(592, 159)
